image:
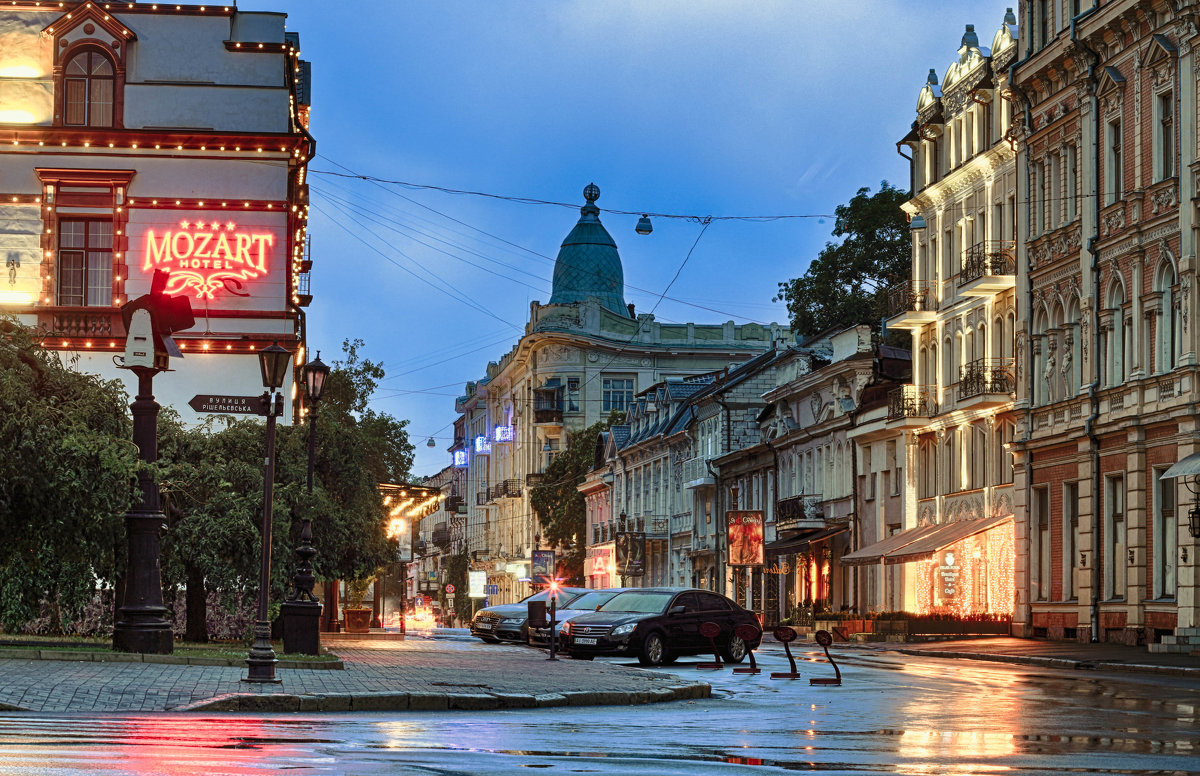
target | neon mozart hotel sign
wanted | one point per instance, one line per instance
(202, 257)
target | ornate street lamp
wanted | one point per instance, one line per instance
(273, 361)
(302, 611)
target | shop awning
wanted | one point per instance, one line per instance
(943, 536)
(797, 543)
(873, 552)
(1188, 467)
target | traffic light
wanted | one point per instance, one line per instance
(150, 320)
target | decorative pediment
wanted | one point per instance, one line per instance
(1110, 88)
(1160, 58)
(89, 23)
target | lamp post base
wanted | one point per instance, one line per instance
(301, 627)
(261, 660)
(149, 640)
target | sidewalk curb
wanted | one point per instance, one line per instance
(87, 656)
(428, 701)
(1056, 662)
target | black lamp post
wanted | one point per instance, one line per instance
(261, 661)
(302, 611)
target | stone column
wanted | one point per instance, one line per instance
(1088, 524)
(1136, 531)
(1022, 624)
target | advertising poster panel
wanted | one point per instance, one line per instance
(745, 534)
(631, 554)
(476, 580)
(541, 567)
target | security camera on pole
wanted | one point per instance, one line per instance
(149, 322)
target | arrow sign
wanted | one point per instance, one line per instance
(232, 405)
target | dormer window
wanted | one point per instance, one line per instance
(89, 81)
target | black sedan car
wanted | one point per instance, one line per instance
(507, 622)
(659, 625)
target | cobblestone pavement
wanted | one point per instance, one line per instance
(379, 675)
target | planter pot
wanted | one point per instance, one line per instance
(357, 620)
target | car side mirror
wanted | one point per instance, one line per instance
(676, 610)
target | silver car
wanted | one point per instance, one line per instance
(587, 603)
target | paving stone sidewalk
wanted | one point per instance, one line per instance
(1054, 654)
(380, 675)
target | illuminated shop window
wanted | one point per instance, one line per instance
(88, 87)
(85, 263)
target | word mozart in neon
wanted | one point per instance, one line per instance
(205, 257)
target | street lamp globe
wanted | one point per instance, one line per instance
(315, 373)
(274, 364)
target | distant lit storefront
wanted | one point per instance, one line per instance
(962, 568)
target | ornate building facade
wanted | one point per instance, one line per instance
(584, 356)
(1107, 115)
(155, 137)
(955, 546)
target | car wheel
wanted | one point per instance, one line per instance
(734, 651)
(654, 650)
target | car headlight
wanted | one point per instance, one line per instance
(624, 630)
(566, 627)
(513, 620)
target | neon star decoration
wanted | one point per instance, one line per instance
(204, 258)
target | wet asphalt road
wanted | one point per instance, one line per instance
(894, 714)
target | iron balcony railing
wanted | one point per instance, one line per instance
(441, 535)
(911, 296)
(986, 375)
(482, 498)
(988, 258)
(912, 401)
(797, 508)
(505, 489)
(656, 525)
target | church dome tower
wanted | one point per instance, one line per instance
(588, 263)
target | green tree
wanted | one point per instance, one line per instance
(846, 284)
(67, 464)
(560, 507)
(213, 484)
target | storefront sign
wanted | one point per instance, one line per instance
(504, 433)
(460, 459)
(205, 256)
(745, 533)
(483, 445)
(947, 577)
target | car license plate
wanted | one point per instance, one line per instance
(584, 640)
(484, 626)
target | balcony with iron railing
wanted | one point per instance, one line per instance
(441, 535)
(482, 498)
(696, 473)
(988, 268)
(986, 382)
(911, 304)
(683, 523)
(505, 489)
(656, 526)
(547, 406)
(797, 512)
(910, 405)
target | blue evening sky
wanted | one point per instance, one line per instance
(693, 107)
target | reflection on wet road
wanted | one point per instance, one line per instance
(894, 714)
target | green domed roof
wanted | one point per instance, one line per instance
(588, 263)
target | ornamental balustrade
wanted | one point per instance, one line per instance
(987, 259)
(911, 296)
(986, 375)
(912, 401)
(84, 323)
(505, 489)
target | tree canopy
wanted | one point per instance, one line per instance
(846, 284)
(67, 464)
(560, 507)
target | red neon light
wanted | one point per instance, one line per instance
(207, 256)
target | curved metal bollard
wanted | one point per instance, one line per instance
(824, 638)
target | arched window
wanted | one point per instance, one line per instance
(1115, 335)
(88, 89)
(1166, 329)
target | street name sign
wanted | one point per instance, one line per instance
(232, 405)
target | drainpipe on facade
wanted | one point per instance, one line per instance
(1093, 397)
(727, 447)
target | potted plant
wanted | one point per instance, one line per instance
(356, 616)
